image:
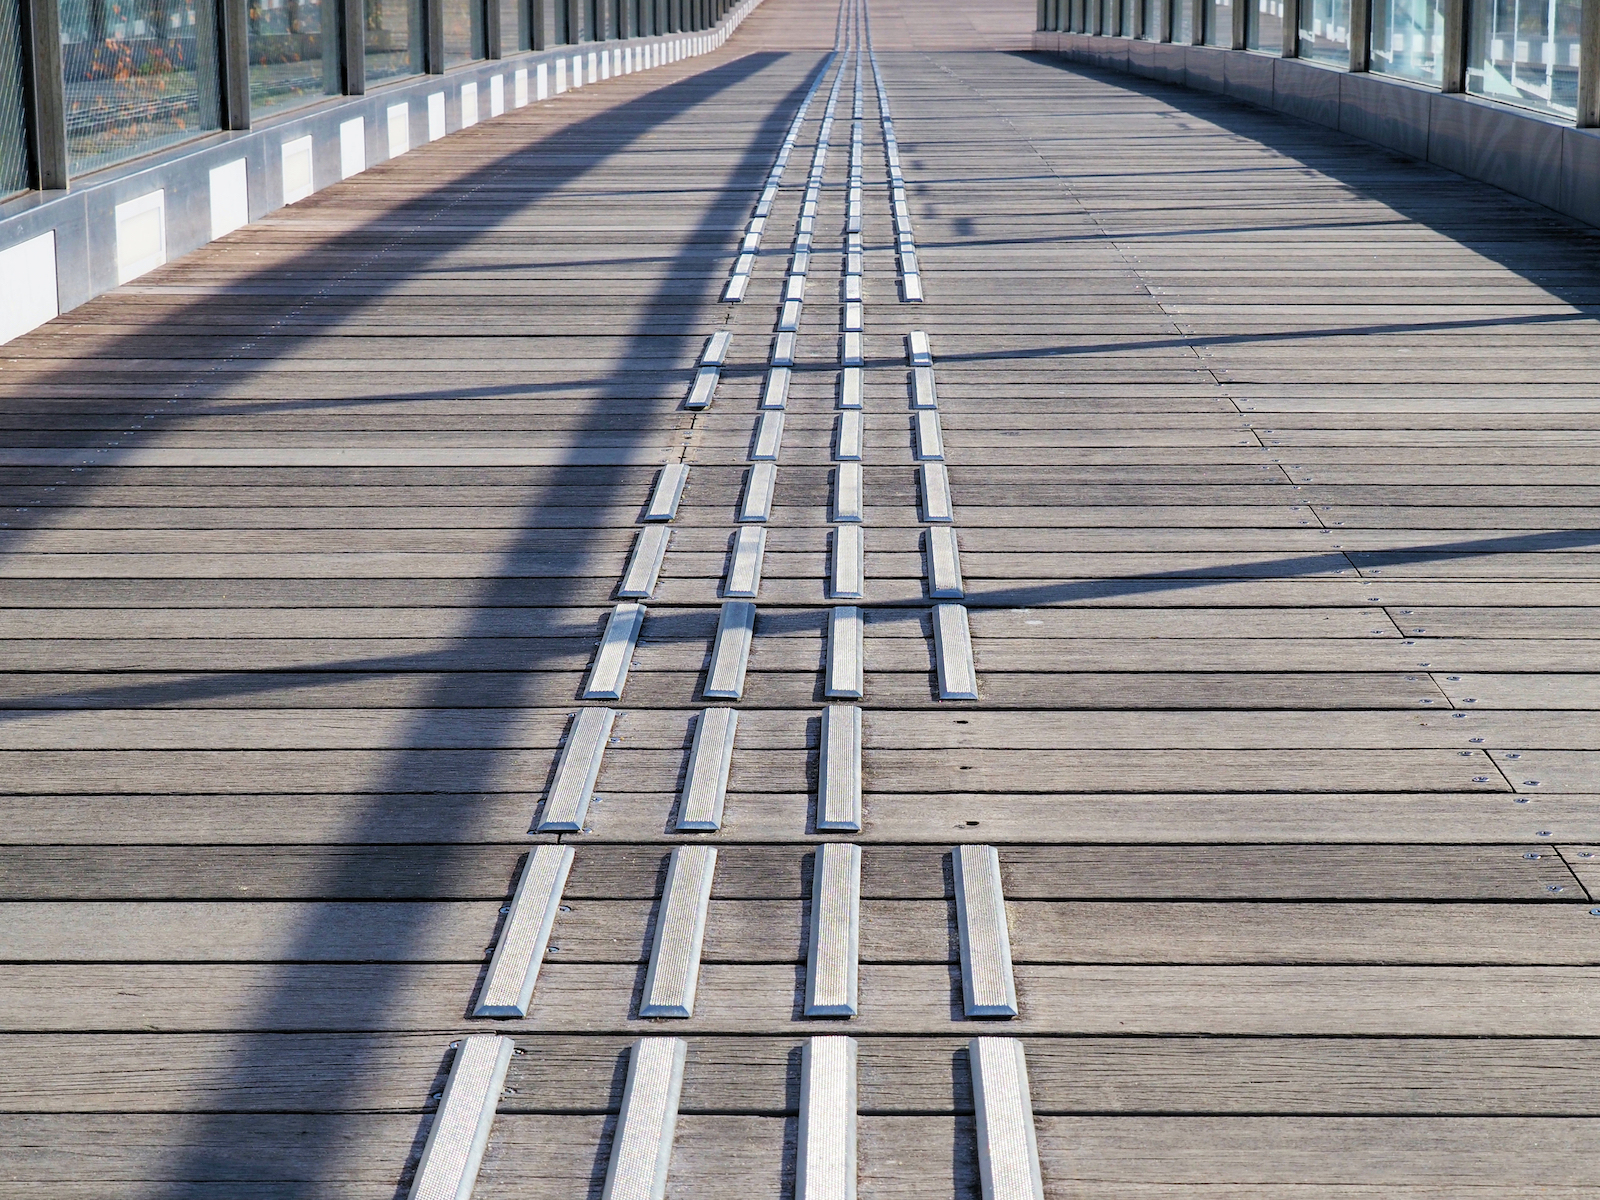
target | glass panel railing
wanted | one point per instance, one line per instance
(138, 75)
(294, 55)
(1219, 22)
(14, 159)
(1264, 27)
(1325, 31)
(1408, 39)
(392, 36)
(1526, 54)
(463, 31)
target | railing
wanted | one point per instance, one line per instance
(1498, 90)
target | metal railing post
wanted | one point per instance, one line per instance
(44, 94)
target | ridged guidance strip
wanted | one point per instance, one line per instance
(846, 639)
(730, 651)
(923, 392)
(834, 950)
(705, 785)
(744, 562)
(669, 986)
(668, 492)
(1008, 1149)
(919, 351)
(930, 441)
(987, 987)
(460, 1131)
(775, 393)
(825, 1160)
(757, 502)
(936, 506)
(847, 492)
(768, 439)
(944, 564)
(839, 769)
(641, 1151)
(524, 938)
(847, 439)
(847, 579)
(644, 565)
(952, 646)
(610, 672)
(576, 771)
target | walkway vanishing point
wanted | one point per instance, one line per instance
(1270, 460)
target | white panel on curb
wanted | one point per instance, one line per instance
(944, 564)
(846, 642)
(297, 173)
(847, 579)
(519, 86)
(577, 768)
(705, 784)
(469, 104)
(25, 308)
(141, 226)
(641, 1150)
(611, 662)
(952, 644)
(834, 951)
(230, 197)
(825, 1159)
(352, 147)
(930, 441)
(769, 436)
(847, 492)
(497, 95)
(987, 986)
(561, 75)
(577, 70)
(758, 485)
(847, 436)
(669, 984)
(730, 652)
(541, 80)
(839, 769)
(935, 479)
(436, 126)
(1008, 1149)
(668, 492)
(594, 68)
(460, 1131)
(776, 392)
(644, 565)
(744, 563)
(398, 117)
(525, 937)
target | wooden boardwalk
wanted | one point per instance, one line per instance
(1273, 467)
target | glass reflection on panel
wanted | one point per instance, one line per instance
(1526, 54)
(1265, 26)
(1182, 22)
(1408, 39)
(1125, 28)
(513, 26)
(133, 71)
(1219, 22)
(1152, 20)
(293, 55)
(392, 32)
(1325, 31)
(13, 125)
(463, 31)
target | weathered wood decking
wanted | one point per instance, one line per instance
(1273, 462)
